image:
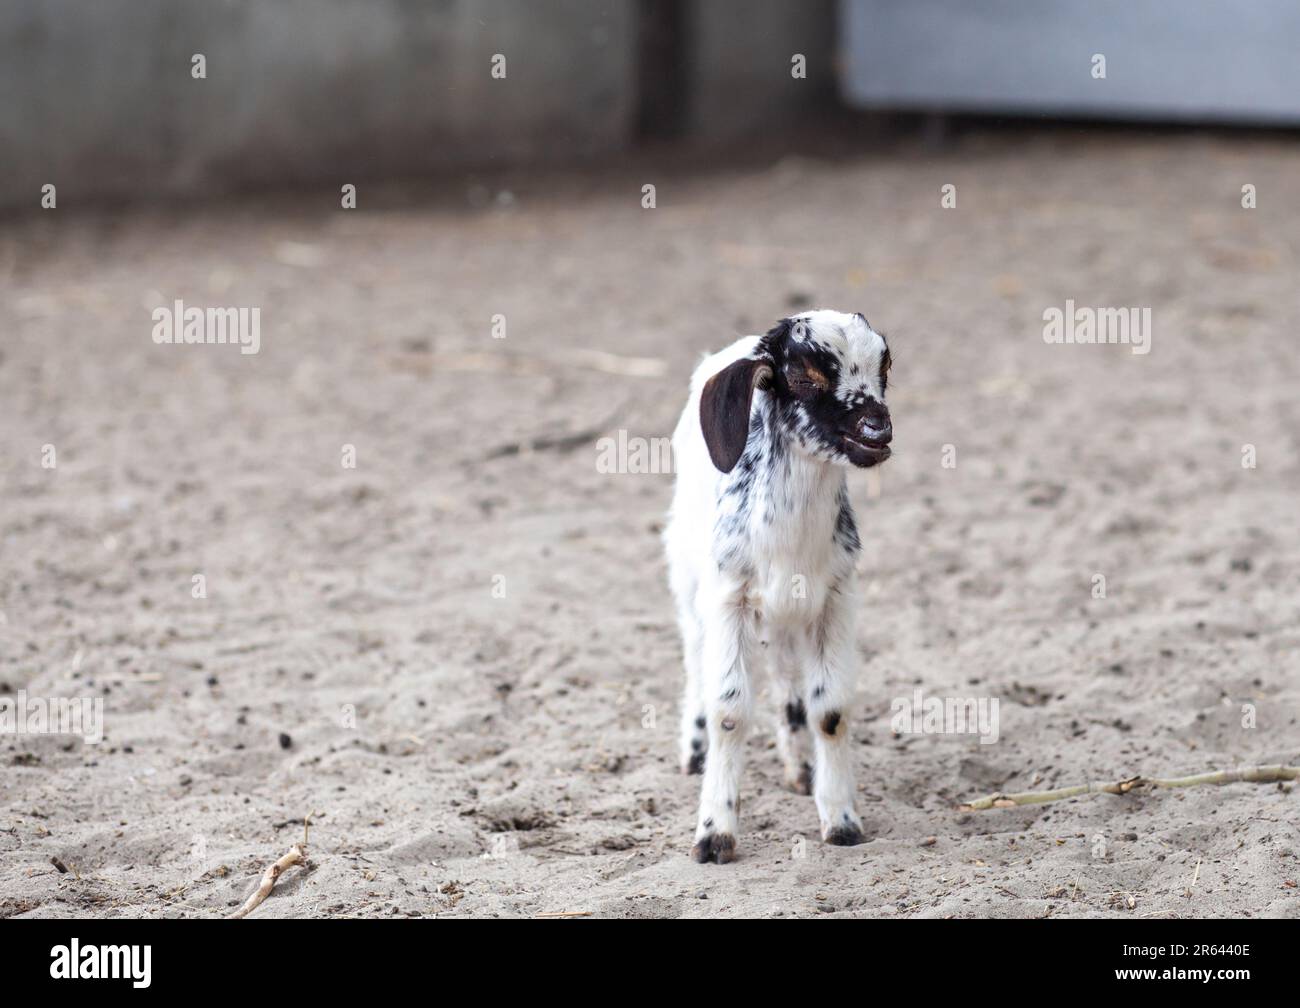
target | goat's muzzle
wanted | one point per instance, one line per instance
(867, 443)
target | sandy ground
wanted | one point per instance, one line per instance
(464, 754)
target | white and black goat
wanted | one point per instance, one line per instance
(761, 548)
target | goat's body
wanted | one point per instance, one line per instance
(780, 521)
(761, 563)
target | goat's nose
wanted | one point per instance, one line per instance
(877, 429)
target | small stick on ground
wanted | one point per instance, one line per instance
(562, 359)
(306, 825)
(1250, 774)
(297, 855)
(564, 913)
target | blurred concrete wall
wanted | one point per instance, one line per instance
(97, 96)
(741, 64)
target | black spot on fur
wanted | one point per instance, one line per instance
(700, 722)
(776, 448)
(796, 716)
(831, 723)
(846, 529)
(696, 764)
(740, 487)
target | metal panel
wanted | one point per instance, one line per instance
(1165, 59)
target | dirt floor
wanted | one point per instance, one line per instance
(459, 657)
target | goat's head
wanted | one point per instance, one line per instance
(825, 373)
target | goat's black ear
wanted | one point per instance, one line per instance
(724, 409)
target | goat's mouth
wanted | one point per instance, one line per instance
(865, 452)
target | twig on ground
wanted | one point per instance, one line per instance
(306, 824)
(565, 913)
(583, 357)
(297, 855)
(1250, 774)
(1196, 877)
(559, 442)
(556, 442)
(615, 364)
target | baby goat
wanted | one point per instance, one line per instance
(761, 546)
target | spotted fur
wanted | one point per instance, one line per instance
(761, 546)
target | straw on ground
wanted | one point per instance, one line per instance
(1250, 774)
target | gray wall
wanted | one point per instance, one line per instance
(96, 95)
(740, 64)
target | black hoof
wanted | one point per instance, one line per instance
(718, 847)
(845, 836)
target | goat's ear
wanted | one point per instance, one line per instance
(724, 409)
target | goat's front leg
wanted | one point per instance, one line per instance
(730, 653)
(830, 692)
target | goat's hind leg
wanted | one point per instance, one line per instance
(730, 654)
(788, 662)
(694, 738)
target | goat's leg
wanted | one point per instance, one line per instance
(788, 662)
(694, 737)
(730, 653)
(830, 692)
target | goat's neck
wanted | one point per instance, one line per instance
(820, 480)
(803, 485)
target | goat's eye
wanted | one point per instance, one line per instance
(809, 380)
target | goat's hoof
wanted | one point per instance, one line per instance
(800, 784)
(845, 835)
(694, 764)
(718, 847)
